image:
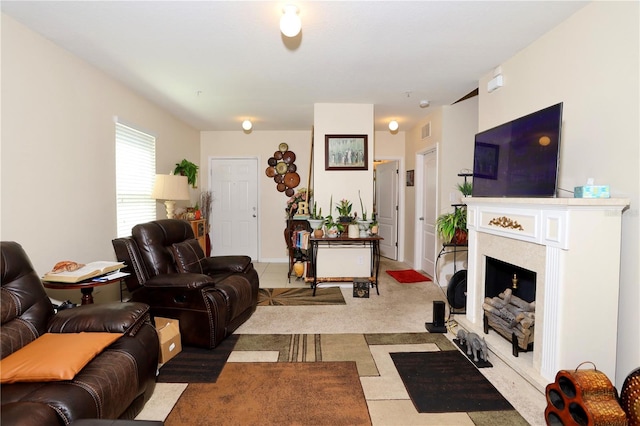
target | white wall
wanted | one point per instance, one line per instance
(590, 62)
(58, 151)
(271, 208)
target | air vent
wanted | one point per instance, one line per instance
(426, 130)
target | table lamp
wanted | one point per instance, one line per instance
(170, 188)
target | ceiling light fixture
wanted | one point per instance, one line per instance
(424, 103)
(247, 125)
(290, 23)
(393, 125)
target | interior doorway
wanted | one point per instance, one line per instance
(386, 206)
(426, 209)
(234, 211)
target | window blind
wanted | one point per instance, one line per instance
(135, 175)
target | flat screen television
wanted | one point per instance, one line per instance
(519, 158)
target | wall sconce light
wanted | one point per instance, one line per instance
(393, 125)
(290, 24)
(247, 125)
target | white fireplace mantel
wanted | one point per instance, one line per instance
(573, 245)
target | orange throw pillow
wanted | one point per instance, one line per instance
(54, 356)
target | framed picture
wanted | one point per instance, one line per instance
(486, 160)
(345, 152)
(409, 177)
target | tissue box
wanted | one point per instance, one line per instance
(169, 335)
(591, 191)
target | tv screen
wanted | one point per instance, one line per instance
(519, 158)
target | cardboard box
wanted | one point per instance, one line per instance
(591, 191)
(169, 335)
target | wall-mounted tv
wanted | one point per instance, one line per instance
(519, 158)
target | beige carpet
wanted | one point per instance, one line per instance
(320, 393)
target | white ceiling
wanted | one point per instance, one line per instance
(215, 63)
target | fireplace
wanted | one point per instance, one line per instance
(572, 249)
(509, 303)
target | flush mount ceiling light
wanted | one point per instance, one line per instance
(290, 23)
(247, 125)
(393, 125)
(424, 103)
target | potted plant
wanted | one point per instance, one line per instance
(333, 228)
(363, 223)
(452, 227)
(466, 188)
(344, 211)
(316, 221)
(373, 226)
(188, 169)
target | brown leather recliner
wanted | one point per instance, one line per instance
(115, 384)
(210, 296)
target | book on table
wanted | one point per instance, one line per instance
(90, 270)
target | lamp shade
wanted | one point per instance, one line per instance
(170, 187)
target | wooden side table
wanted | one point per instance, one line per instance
(86, 287)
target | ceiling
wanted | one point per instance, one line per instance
(215, 63)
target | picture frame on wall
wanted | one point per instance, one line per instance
(345, 152)
(410, 177)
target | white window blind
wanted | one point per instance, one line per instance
(135, 175)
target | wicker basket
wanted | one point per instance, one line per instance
(583, 397)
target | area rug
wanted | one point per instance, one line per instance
(300, 296)
(197, 365)
(407, 276)
(320, 393)
(442, 382)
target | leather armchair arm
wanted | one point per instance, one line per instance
(114, 317)
(220, 264)
(183, 280)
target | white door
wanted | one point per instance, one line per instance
(387, 207)
(234, 206)
(429, 211)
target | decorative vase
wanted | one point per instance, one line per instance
(298, 268)
(318, 233)
(374, 230)
(332, 232)
(353, 230)
(364, 228)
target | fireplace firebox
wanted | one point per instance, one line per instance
(509, 304)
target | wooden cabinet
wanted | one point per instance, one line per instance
(200, 231)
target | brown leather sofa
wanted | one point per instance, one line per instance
(115, 384)
(210, 296)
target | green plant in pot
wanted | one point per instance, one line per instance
(188, 169)
(465, 188)
(452, 227)
(315, 219)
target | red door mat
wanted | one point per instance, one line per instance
(408, 276)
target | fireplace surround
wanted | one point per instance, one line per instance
(573, 247)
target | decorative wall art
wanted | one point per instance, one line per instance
(345, 152)
(282, 169)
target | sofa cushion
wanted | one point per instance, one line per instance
(54, 356)
(188, 256)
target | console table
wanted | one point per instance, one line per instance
(372, 242)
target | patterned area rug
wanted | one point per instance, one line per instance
(320, 393)
(300, 296)
(407, 276)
